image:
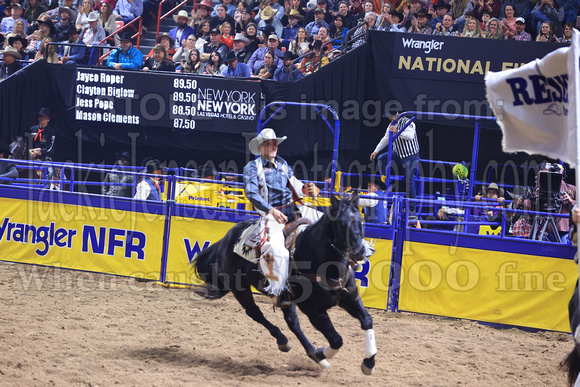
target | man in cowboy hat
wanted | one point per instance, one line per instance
(110, 187)
(201, 12)
(240, 42)
(92, 35)
(270, 186)
(294, 19)
(126, 56)
(276, 8)
(235, 69)
(128, 10)
(180, 33)
(9, 64)
(7, 170)
(420, 24)
(493, 193)
(437, 12)
(148, 188)
(7, 24)
(288, 72)
(257, 59)
(72, 54)
(375, 210)
(67, 17)
(269, 20)
(390, 22)
(43, 136)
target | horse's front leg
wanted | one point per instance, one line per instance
(352, 303)
(321, 321)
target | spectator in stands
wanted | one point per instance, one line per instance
(421, 24)
(72, 54)
(409, 10)
(202, 35)
(159, 61)
(299, 46)
(459, 8)
(267, 70)
(19, 43)
(521, 8)
(214, 45)
(295, 5)
(221, 17)
(313, 27)
(235, 67)
(92, 35)
(17, 31)
(521, 224)
(375, 210)
(492, 193)
(7, 24)
(200, 13)
(368, 6)
(215, 65)
(148, 188)
(125, 57)
(43, 137)
(472, 29)
(9, 64)
(84, 13)
(294, 18)
(315, 60)
(548, 11)
(268, 19)
(107, 18)
(391, 22)
(324, 38)
(226, 35)
(193, 65)
(33, 10)
(405, 153)
(567, 33)
(230, 9)
(245, 19)
(275, 7)
(110, 187)
(519, 33)
(385, 10)
(55, 13)
(240, 42)
(257, 59)
(446, 27)
(493, 30)
(67, 17)
(180, 33)
(360, 36)
(509, 21)
(167, 42)
(288, 72)
(338, 30)
(182, 53)
(440, 10)
(491, 6)
(349, 19)
(128, 10)
(485, 17)
(327, 15)
(547, 34)
(46, 51)
(7, 170)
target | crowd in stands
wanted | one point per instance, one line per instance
(200, 42)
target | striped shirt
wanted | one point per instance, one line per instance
(406, 143)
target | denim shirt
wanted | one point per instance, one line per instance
(276, 181)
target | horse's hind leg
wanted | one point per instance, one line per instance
(321, 321)
(246, 299)
(354, 306)
(293, 322)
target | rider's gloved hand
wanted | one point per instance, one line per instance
(311, 189)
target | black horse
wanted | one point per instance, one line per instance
(571, 363)
(321, 277)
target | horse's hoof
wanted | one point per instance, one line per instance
(324, 364)
(319, 358)
(285, 347)
(368, 365)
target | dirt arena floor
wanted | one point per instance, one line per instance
(66, 328)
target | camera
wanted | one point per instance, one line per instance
(548, 183)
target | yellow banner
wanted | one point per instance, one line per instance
(81, 238)
(492, 286)
(373, 277)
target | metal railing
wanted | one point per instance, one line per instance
(160, 18)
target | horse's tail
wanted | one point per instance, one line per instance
(205, 266)
(571, 364)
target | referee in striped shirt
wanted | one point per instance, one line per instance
(405, 153)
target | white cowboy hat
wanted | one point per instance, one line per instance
(265, 135)
(93, 17)
(182, 13)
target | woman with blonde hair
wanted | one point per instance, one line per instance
(17, 30)
(472, 29)
(227, 37)
(493, 29)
